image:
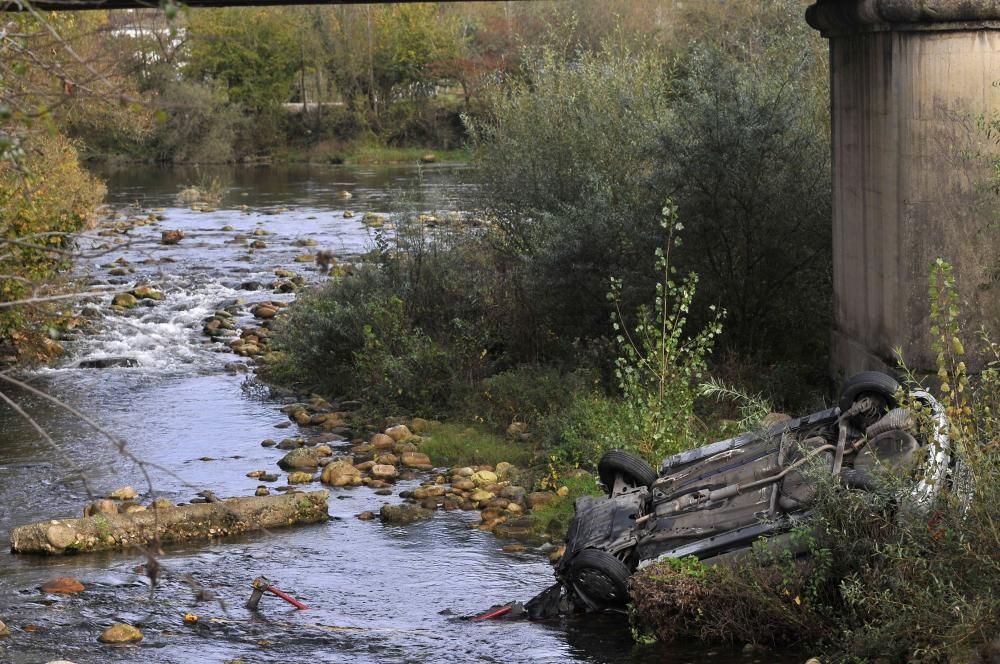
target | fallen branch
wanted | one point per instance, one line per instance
(184, 522)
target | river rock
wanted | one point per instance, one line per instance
(399, 433)
(481, 496)
(132, 508)
(381, 441)
(301, 417)
(262, 491)
(383, 471)
(416, 460)
(428, 492)
(108, 363)
(300, 477)
(484, 477)
(463, 472)
(299, 459)
(503, 470)
(4, 630)
(268, 442)
(171, 237)
(405, 513)
(514, 508)
(123, 493)
(65, 585)
(387, 458)
(264, 311)
(102, 506)
(513, 548)
(120, 633)
(341, 473)
(124, 300)
(463, 485)
(366, 516)
(146, 292)
(515, 494)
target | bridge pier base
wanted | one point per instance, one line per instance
(911, 81)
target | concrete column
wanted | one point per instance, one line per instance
(909, 81)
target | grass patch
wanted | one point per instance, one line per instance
(452, 445)
(553, 519)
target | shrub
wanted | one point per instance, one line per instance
(197, 124)
(44, 200)
(745, 156)
(412, 328)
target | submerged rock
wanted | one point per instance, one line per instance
(405, 513)
(120, 633)
(65, 585)
(124, 300)
(108, 363)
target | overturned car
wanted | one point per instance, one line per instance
(716, 500)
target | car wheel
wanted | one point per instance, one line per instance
(868, 382)
(633, 471)
(599, 579)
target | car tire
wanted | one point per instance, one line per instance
(599, 579)
(634, 470)
(868, 382)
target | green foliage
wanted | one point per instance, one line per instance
(411, 329)
(253, 54)
(564, 153)
(197, 124)
(745, 156)
(527, 394)
(661, 366)
(452, 445)
(44, 200)
(553, 518)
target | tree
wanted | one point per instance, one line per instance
(254, 54)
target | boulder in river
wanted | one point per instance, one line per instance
(405, 513)
(302, 458)
(124, 300)
(171, 237)
(4, 630)
(64, 585)
(120, 633)
(124, 493)
(383, 471)
(108, 362)
(341, 473)
(147, 292)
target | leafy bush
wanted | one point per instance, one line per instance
(661, 367)
(410, 329)
(528, 394)
(197, 124)
(44, 200)
(563, 151)
(745, 156)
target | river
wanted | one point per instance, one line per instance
(377, 593)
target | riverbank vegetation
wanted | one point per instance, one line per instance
(584, 309)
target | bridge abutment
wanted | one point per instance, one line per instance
(911, 83)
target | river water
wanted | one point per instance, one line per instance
(376, 593)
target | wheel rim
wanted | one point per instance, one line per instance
(597, 585)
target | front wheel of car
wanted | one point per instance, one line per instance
(599, 579)
(621, 471)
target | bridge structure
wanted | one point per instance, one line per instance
(911, 84)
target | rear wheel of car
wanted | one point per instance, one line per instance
(625, 469)
(600, 579)
(865, 383)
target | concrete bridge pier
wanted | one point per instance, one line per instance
(911, 81)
